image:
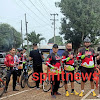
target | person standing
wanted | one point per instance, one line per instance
(36, 55)
(68, 61)
(11, 69)
(86, 54)
(53, 62)
(20, 66)
(98, 69)
(24, 53)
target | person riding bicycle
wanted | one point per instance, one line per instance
(36, 55)
(68, 61)
(86, 54)
(53, 62)
(11, 69)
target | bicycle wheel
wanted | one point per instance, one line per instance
(46, 85)
(2, 87)
(78, 81)
(23, 81)
(31, 83)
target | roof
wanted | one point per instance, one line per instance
(50, 47)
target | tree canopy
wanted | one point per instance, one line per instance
(35, 38)
(58, 40)
(84, 20)
(9, 37)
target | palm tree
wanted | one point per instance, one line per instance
(35, 38)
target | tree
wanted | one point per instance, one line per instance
(9, 37)
(35, 38)
(58, 40)
(84, 20)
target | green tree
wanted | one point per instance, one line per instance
(9, 37)
(58, 40)
(84, 20)
(35, 38)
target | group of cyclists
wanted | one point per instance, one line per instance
(88, 65)
(14, 63)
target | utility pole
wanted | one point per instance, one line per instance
(54, 25)
(21, 34)
(14, 45)
(26, 34)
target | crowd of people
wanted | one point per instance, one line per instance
(89, 62)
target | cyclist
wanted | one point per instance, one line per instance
(36, 55)
(68, 61)
(20, 66)
(86, 54)
(24, 53)
(53, 61)
(98, 68)
(98, 59)
(11, 69)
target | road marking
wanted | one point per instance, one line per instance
(23, 92)
(15, 94)
(92, 99)
(86, 95)
(84, 98)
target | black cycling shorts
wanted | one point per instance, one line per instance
(87, 71)
(69, 76)
(19, 72)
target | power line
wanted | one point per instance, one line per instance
(33, 12)
(33, 17)
(44, 7)
(50, 8)
(37, 8)
(27, 13)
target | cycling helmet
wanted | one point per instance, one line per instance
(19, 49)
(55, 46)
(87, 39)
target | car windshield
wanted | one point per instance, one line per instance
(1, 56)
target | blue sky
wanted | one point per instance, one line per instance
(38, 15)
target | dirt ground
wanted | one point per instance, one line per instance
(33, 94)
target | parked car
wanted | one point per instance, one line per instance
(2, 57)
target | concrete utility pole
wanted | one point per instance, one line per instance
(26, 34)
(54, 25)
(21, 34)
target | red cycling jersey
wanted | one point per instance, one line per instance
(9, 59)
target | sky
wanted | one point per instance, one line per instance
(38, 16)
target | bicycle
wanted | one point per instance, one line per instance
(31, 82)
(24, 75)
(2, 80)
(47, 85)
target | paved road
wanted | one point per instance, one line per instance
(33, 94)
